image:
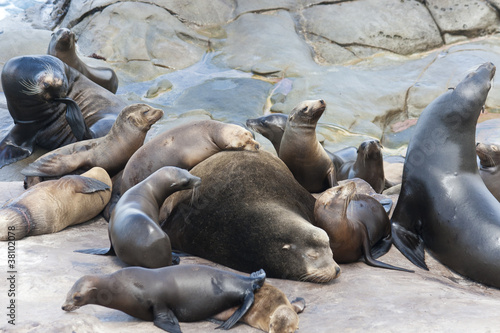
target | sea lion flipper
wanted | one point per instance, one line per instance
(410, 244)
(165, 319)
(247, 303)
(387, 204)
(17, 145)
(101, 252)
(381, 247)
(90, 185)
(298, 304)
(332, 176)
(368, 257)
(75, 119)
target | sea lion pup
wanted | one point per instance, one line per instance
(270, 312)
(369, 166)
(52, 105)
(489, 160)
(357, 225)
(63, 46)
(53, 205)
(271, 126)
(444, 204)
(134, 231)
(110, 152)
(301, 151)
(185, 146)
(250, 212)
(168, 295)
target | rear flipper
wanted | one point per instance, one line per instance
(373, 262)
(298, 304)
(260, 277)
(381, 247)
(101, 252)
(247, 303)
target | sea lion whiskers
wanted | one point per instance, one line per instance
(32, 88)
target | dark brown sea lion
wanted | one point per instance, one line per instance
(489, 159)
(110, 152)
(369, 166)
(250, 212)
(357, 225)
(52, 105)
(63, 46)
(271, 311)
(301, 151)
(53, 205)
(168, 295)
(444, 204)
(134, 231)
(185, 146)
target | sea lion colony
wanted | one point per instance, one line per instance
(39, 103)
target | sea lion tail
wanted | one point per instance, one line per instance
(259, 277)
(368, 257)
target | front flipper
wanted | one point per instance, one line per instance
(298, 304)
(17, 145)
(409, 244)
(165, 319)
(247, 303)
(75, 119)
(368, 257)
(101, 252)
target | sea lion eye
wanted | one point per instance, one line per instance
(77, 297)
(304, 109)
(286, 247)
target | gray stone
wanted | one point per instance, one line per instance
(403, 27)
(158, 88)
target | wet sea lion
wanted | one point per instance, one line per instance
(168, 295)
(357, 225)
(444, 205)
(250, 212)
(369, 166)
(271, 126)
(52, 105)
(489, 159)
(301, 151)
(271, 311)
(63, 46)
(134, 232)
(53, 205)
(185, 146)
(110, 152)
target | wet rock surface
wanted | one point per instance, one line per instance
(376, 63)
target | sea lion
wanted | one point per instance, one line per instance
(63, 46)
(270, 312)
(271, 126)
(369, 166)
(301, 151)
(250, 212)
(444, 204)
(185, 146)
(357, 225)
(110, 152)
(168, 295)
(53, 205)
(134, 232)
(52, 105)
(489, 160)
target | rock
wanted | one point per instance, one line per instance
(158, 88)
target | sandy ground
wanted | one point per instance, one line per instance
(362, 299)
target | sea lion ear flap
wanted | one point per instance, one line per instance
(165, 319)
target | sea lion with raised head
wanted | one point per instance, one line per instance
(185, 146)
(168, 295)
(135, 235)
(301, 151)
(369, 166)
(250, 212)
(489, 166)
(271, 311)
(110, 152)
(53, 205)
(52, 105)
(63, 46)
(357, 225)
(271, 126)
(444, 205)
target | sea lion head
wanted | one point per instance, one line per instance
(370, 149)
(284, 320)
(235, 137)
(181, 178)
(489, 154)
(140, 115)
(49, 83)
(307, 112)
(83, 292)
(271, 126)
(63, 40)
